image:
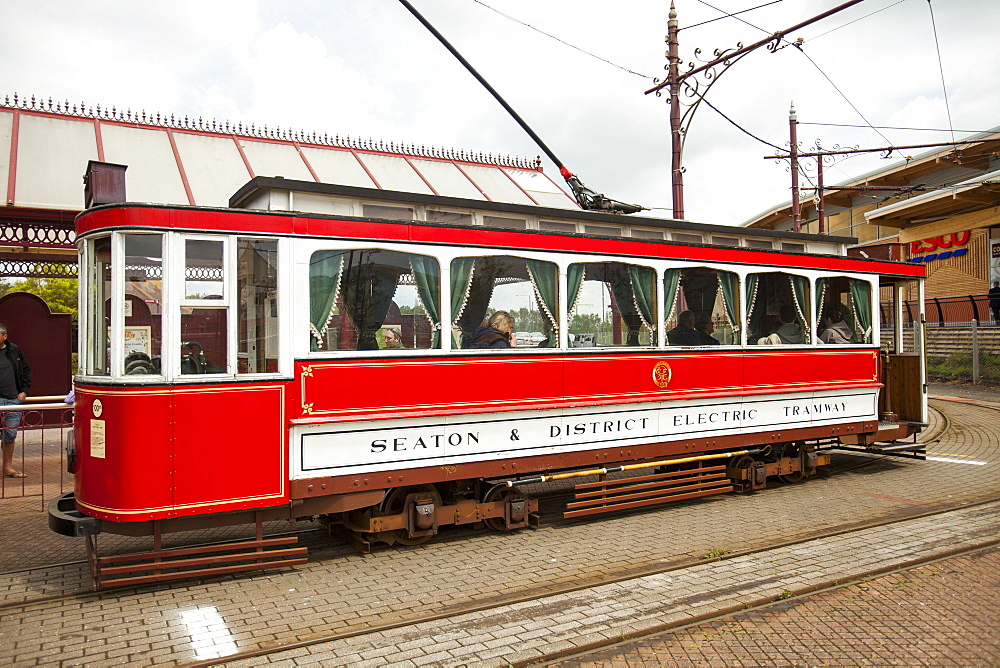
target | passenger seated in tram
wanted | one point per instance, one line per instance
(705, 329)
(835, 328)
(194, 360)
(497, 333)
(788, 331)
(393, 338)
(685, 334)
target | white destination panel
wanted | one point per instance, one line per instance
(365, 447)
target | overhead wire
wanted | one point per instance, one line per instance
(798, 46)
(563, 42)
(891, 127)
(824, 34)
(937, 46)
(744, 11)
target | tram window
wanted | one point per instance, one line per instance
(759, 243)
(844, 310)
(204, 346)
(647, 234)
(451, 217)
(506, 223)
(257, 291)
(612, 304)
(603, 231)
(143, 302)
(555, 226)
(204, 269)
(355, 296)
(98, 292)
(388, 212)
(686, 238)
(702, 307)
(526, 289)
(777, 309)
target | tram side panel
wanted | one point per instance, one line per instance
(124, 451)
(513, 414)
(155, 453)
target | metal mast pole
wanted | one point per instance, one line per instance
(676, 141)
(793, 153)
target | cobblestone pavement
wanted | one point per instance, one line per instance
(942, 614)
(341, 591)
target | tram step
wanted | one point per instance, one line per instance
(195, 562)
(606, 496)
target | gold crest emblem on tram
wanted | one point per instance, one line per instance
(662, 374)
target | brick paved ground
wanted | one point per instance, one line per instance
(942, 614)
(342, 591)
(529, 631)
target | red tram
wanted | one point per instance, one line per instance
(234, 365)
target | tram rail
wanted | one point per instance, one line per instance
(556, 592)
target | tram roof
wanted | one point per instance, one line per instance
(279, 194)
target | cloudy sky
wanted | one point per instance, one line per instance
(366, 68)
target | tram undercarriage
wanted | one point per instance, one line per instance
(413, 513)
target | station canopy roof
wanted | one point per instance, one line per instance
(183, 161)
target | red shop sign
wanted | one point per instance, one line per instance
(944, 241)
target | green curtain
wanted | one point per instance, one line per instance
(545, 280)
(618, 279)
(862, 295)
(821, 286)
(728, 284)
(427, 277)
(324, 284)
(800, 292)
(671, 279)
(574, 276)
(461, 284)
(368, 291)
(644, 295)
(755, 311)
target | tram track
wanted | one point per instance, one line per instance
(556, 659)
(644, 573)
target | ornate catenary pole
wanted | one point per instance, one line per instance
(793, 154)
(676, 82)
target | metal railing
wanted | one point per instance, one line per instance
(40, 450)
(947, 311)
(962, 337)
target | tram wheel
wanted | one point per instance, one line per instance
(502, 495)
(743, 463)
(792, 478)
(394, 503)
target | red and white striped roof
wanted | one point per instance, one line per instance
(45, 147)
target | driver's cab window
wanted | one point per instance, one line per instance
(204, 347)
(143, 301)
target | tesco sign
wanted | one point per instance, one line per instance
(949, 245)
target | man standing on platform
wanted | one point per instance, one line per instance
(15, 381)
(995, 301)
